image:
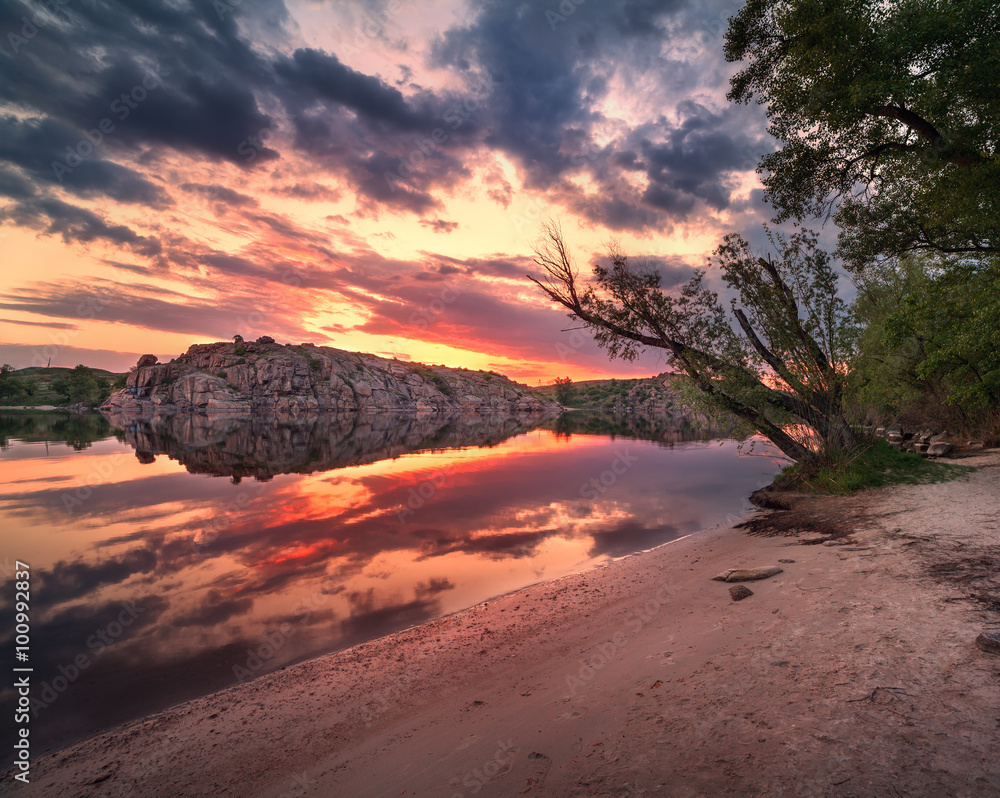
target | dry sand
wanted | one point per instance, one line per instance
(852, 673)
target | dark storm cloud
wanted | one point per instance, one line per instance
(70, 580)
(313, 77)
(538, 91)
(532, 84)
(73, 223)
(551, 70)
(214, 609)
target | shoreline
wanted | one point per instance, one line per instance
(848, 673)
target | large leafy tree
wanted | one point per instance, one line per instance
(931, 341)
(82, 384)
(783, 373)
(888, 117)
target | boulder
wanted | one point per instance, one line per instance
(265, 339)
(940, 449)
(146, 360)
(747, 574)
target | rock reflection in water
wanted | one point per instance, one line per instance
(326, 531)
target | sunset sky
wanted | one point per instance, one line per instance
(364, 175)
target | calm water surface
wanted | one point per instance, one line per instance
(173, 559)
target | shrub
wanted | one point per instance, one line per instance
(868, 465)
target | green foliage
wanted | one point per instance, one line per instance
(931, 344)
(564, 390)
(78, 430)
(84, 385)
(442, 384)
(785, 376)
(119, 382)
(887, 114)
(239, 351)
(238, 339)
(870, 465)
(10, 386)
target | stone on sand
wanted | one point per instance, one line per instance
(747, 574)
(740, 592)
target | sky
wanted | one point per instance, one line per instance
(367, 175)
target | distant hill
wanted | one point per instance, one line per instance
(38, 381)
(648, 394)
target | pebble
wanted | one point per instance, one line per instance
(740, 592)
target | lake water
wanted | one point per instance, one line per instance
(169, 560)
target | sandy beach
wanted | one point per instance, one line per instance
(854, 672)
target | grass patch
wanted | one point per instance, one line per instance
(868, 466)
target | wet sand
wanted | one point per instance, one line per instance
(854, 672)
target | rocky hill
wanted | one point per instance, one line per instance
(264, 375)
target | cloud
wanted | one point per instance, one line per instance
(439, 225)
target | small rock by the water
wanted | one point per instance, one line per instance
(740, 592)
(786, 560)
(939, 449)
(988, 641)
(834, 543)
(747, 574)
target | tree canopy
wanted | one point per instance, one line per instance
(784, 376)
(931, 341)
(888, 117)
(82, 384)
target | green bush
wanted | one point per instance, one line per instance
(82, 385)
(869, 465)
